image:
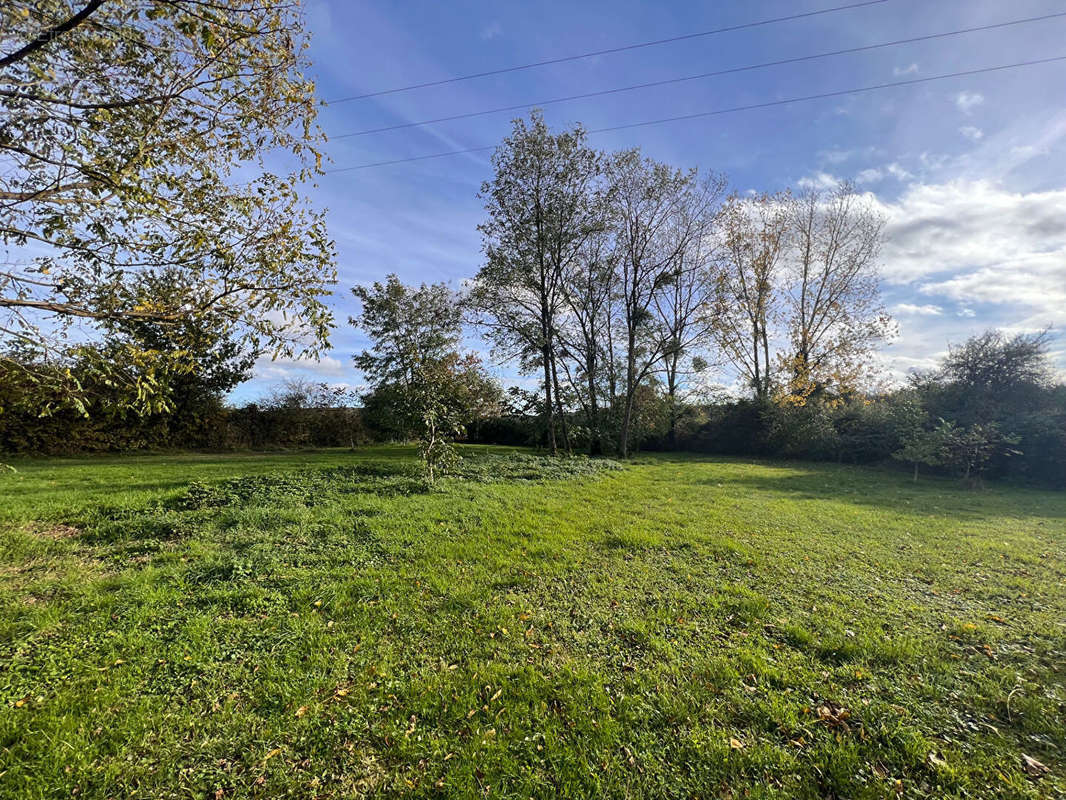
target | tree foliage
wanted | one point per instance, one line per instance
(754, 239)
(420, 384)
(542, 208)
(139, 138)
(834, 314)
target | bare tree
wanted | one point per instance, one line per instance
(657, 212)
(585, 333)
(835, 316)
(541, 211)
(754, 235)
(685, 307)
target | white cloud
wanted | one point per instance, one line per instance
(911, 69)
(912, 309)
(966, 102)
(972, 133)
(836, 155)
(877, 174)
(869, 176)
(819, 180)
(492, 30)
(934, 161)
(898, 172)
(320, 368)
(975, 243)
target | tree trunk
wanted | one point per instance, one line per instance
(627, 416)
(765, 363)
(755, 355)
(595, 445)
(671, 393)
(549, 414)
(559, 406)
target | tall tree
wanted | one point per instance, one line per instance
(585, 334)
(657, 213)
(685, 309)
(136, 136)
(989, 378)
(754, 233)
(407, 327)
(542, 208)
(835, 315)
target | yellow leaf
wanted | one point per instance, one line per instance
(301, 711)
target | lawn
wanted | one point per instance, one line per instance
(321, 625)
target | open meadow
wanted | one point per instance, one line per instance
(320, 624)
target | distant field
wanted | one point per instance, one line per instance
(320, 625)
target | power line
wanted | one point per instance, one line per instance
(735, 109)
(716, 73)
(608, 51)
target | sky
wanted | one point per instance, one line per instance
(969, 172)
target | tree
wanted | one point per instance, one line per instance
(685, 308)
(201, 360)
(657, 214)
(205, 351)
(542, 206)
(135, 136)
(835, 317)
(968, 450)
(585, 333)
(409, 328)
(754, 233)
(419, 380)
(991, 378)
(447, 394)
(922, 447)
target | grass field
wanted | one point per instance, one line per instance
(320, 625)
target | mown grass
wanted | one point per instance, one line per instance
(321, 625)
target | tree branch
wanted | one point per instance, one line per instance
(46, 36)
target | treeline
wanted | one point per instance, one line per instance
(613, 277)
(622, 286)
(993, 409)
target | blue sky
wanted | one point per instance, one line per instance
(969, 172)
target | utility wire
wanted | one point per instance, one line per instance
(735, 109)
(716, 73)
(608, 51)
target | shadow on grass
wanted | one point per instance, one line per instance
(895, 492)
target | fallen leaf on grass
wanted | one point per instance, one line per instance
(1033, 767)
(301, 711)
(834, 716)
(736, 744)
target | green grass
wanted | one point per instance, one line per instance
(320, 625)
